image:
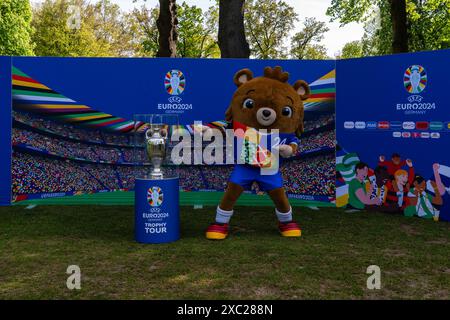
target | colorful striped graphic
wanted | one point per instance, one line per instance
(323, 93)
(32, 96)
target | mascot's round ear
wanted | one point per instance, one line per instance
(242, 76)
(302, 89)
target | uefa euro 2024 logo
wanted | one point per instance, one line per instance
(174, 82)
(415, 79)
(155, 196)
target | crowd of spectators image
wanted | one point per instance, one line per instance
(60, 128)
(72, 131)
(216, 177)
(105, 174)
(65, 148)
(35, 174)
(312, 176)
(319, 140)
(322, 121)
(104, 161)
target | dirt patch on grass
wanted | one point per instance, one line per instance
(409, 230)
(438, 241)
(396, 253)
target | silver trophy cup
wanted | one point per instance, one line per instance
(156, 145)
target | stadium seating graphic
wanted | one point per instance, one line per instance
(92, 161)
(61, 145)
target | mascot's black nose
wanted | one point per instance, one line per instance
(266, 113)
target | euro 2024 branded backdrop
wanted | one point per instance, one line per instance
(72, 118)
(396, 106)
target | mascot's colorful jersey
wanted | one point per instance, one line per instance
(254, 152)
(255, 147)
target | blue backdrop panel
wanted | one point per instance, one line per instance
(157, 216)
(123, 87)
(5, 132)
(395, 104)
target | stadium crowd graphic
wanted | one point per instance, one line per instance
(51, 156)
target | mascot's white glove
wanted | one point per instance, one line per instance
(285, 151)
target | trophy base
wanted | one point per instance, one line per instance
(157, 217)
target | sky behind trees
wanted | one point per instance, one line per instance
(334, 40)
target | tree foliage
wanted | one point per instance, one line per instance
(197, 35)
(428, 23)
(143, 25)
(352, 49)
(316, 52)
(78, 28)
(268, 24)
(15, 27)
(304, 44)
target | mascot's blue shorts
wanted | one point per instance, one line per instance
(245, 175)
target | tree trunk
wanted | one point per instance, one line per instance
(399, 26)
(167, 28)
(232, 42)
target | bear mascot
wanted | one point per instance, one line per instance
(268, 102)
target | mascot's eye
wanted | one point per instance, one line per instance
(287, 111)
(248, 103)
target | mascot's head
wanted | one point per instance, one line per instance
(268, 102)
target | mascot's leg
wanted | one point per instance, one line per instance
(219, 229)
(283, 210)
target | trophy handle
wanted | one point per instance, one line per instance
(165, 133)
(146, 133)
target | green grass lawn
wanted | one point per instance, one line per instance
(328, 262)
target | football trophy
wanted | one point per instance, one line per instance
(156, 185)
(156, 148)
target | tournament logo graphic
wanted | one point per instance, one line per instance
(174, 85)
(155, 196)
(415, 79)
(174, 82)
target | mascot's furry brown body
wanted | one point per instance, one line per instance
(267, 102)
